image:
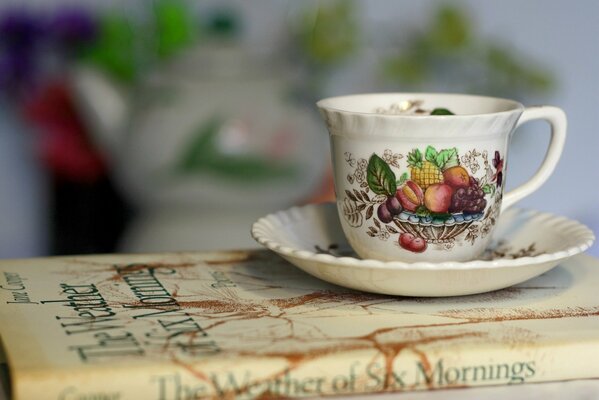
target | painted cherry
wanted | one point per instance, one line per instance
(412, 243)
(418, 245)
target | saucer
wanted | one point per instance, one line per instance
(526, 243)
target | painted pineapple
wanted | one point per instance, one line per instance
(423, 172)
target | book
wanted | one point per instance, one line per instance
(247, 324)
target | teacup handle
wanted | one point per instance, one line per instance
(557, 119)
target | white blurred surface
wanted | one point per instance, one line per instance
(23, 194)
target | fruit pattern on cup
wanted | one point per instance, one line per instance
(436, 200)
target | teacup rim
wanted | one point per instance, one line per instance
(516, 105)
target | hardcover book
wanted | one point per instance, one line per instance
(247, 324)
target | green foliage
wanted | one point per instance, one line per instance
(114, 49)
(450, 51)
(510, 71)
(202, 145)
(174, 27)
(124, 45)
(201, 155)
(451, 31)
(328, 35)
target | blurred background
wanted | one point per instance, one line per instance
(145, 126)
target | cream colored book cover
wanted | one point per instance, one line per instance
(248, 324)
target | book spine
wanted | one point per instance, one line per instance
(390, 369)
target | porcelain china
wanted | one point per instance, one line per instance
(427, 171)
(526, 243)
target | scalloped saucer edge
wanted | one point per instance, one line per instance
(526, 243)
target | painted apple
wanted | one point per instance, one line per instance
(410, 196)
(437, 197)
(456, 177)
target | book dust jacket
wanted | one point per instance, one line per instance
(248, 324)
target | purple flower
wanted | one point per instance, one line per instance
(20, 32)
(498, 164)
(19, 29)
(16, 69)
(72, 27)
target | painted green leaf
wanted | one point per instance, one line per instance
(381, 179)
(403, 178)
(431, 155)
(422, 211)
(440, 216)
(488, 188)
(447, 158)
(441, 111)
(415, 159)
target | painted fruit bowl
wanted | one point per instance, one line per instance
(435, 230)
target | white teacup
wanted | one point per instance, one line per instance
(412, 186)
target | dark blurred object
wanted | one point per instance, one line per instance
(87, 214)
(87, 218)
(62, 141)
(19, 29)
